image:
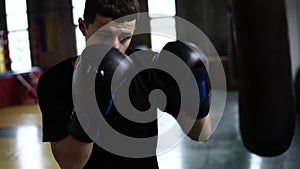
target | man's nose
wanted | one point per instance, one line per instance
(116, 42)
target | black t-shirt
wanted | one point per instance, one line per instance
(55, 100)
(56, 104)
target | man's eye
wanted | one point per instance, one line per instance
(124, 38)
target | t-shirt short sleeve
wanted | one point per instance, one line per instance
(55, 101)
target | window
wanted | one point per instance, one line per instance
(166, 7)
(18, 38)
(162, 23)
(78, 8)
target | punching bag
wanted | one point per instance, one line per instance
(297, 91)
(266, 102)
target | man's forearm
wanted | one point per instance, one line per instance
(200, 129)
(71, 153)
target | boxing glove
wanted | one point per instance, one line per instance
(196, 60)
(104, 89)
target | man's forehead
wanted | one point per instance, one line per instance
(126, 26)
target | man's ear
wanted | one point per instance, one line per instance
(82, 26)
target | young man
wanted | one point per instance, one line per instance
(55, 96)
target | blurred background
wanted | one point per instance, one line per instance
(35, 35)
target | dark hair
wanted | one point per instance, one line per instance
(109, 8)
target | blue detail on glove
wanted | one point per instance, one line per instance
(200, 75)
(110, 104)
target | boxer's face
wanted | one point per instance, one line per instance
(106, 31)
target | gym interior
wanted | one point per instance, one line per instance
(258, 44)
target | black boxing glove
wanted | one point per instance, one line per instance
(198, 63)
(112, 60)
(76, 130)
(104, 89)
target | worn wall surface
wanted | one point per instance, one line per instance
(51, 26)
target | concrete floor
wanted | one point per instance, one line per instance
(226, 151)
(21, 148)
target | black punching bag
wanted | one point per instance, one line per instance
(297, 91)
(266, 102)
